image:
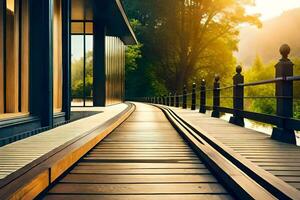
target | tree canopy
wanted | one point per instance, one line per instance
(184, 41)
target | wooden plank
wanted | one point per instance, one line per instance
(57, 56)
(81, 170)
(285, 173)
(140, 165)
(25, 57)
(143, 158)
(23, 182)
(276, 168)
(134, 179)
(203, 188)
(141, 197)
(128, 168)
(141, 150)
(2, 59)
(248, 144)
(12, 59)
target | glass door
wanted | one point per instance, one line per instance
(82, 64)
(82, 52)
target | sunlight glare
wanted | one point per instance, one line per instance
(272, 8)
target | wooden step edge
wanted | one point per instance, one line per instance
(29, 183)
(237, 182)
(270, 182)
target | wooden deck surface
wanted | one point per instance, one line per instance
(145, 158)
(19, 154)
(280, 159)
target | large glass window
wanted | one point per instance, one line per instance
(82, 64)
(82, 53)
(14, 61)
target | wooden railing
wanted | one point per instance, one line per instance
(283, 121)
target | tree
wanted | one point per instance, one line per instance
(77, 76)
(184, 40)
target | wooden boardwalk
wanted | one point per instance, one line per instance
(151, 153)
(280, 159)
(145, 158)
(23, 153)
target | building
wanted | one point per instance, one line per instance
(54, 52)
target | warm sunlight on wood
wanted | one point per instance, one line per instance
(149, 99)
(11, 5)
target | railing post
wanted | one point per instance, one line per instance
(238, 98)
(203, 97)
(193, 106)
(168, 100)
(216, 97)
(184, 93)
(284, 95)
(176, 100)
(172, 99)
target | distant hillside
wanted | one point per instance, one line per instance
(267, 40)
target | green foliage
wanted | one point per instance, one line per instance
(296, 61)
(77, 76)
(260, 71)
(133, 53)
(184, 41)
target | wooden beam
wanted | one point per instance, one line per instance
(12, 60)
(41, 61)
(2, 55)
(57, 55)
(99, 59)
(66, 57)
(25, 57)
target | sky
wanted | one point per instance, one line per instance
(77, 46)
(272, 8)
(267, 8)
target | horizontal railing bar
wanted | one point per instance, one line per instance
(293, 78)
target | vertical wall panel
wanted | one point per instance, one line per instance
(12, 60)
(25, 57)
(2, 13)
(57, 56)
(115, 65)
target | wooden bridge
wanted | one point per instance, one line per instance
(164, 148)
(144, 151)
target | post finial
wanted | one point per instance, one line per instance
(285, 50)
(217, 78)
(239, 69)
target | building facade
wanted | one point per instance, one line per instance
(54, 53)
